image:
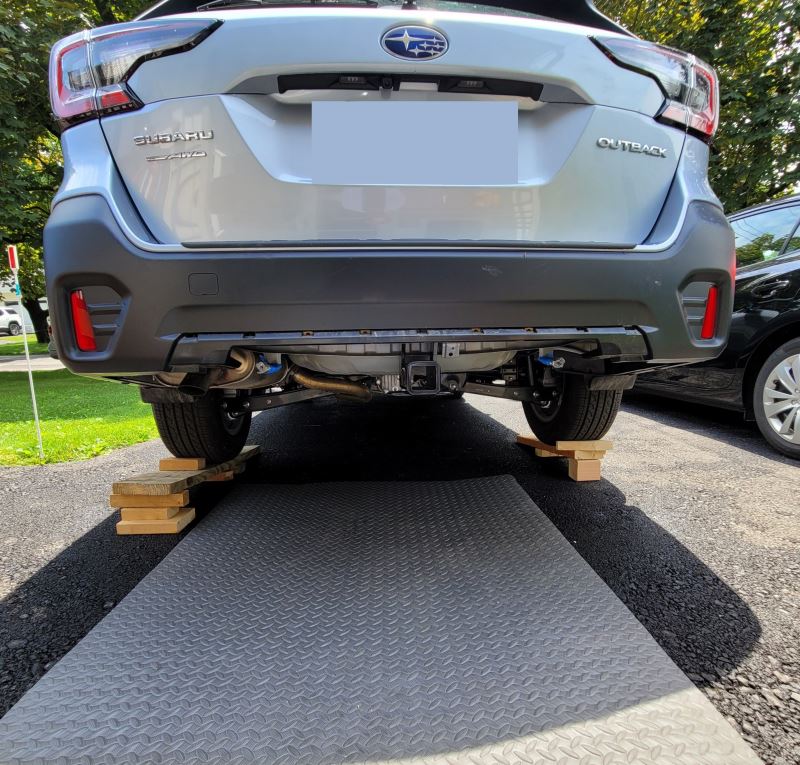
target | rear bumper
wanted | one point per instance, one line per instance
(167, 304)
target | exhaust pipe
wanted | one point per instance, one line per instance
(195, 385)
(251, 371)
(254, 372)
(330, 384)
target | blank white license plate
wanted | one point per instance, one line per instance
(414, 143)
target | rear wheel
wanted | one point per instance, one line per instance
(14, 329)
(776, 399)
(574, 414)
(202, 428)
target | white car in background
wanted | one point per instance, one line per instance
(10, 322)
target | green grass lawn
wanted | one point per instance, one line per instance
(13, 346)
(81, 417)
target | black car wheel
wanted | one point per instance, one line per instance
(776, 399)
(14, 329)
(575, 414)
(202, 428)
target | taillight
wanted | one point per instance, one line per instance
(690, 86)
(89, 71)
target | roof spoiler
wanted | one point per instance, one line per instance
(571, 11)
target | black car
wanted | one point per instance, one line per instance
(759, 372)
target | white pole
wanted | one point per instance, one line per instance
(30, 374)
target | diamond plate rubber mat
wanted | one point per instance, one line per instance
(369, 623)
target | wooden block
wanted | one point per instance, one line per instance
(578, 454)
(226, 476)
(247, 453)
(182, 463)
(148, 513)
(175, 481)
(590, 452)
(170, 526)
(535, 443)
(541, 449)
(596, 446)
(584, 470)
(161, 483)
(142, 500)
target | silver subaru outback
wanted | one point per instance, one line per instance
(265, 201)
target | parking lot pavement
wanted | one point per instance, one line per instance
(696, 527)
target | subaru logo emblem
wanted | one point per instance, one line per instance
(414, 42)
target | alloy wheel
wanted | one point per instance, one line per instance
(781, 398)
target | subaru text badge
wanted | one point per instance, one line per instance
(414, 42)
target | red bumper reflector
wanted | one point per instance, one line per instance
(81, 323)
(709, 328)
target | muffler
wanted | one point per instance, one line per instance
(252, 370)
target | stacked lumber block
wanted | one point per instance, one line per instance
(158, 503)
(584, 457)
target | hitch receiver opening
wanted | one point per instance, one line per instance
(421, 378)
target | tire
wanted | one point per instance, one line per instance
(14, 329)
(201, 429)
(778, 384)
(579, 414)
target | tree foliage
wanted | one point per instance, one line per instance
(755, 47)
(30, 154)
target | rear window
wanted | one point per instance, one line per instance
(454, 6)
(571, 11)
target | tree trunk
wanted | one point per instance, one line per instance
(39, 318)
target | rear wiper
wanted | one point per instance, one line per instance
(215, 4)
